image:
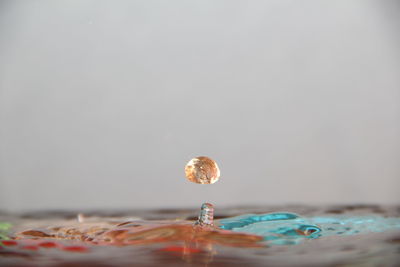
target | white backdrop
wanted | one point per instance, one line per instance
(102, 103)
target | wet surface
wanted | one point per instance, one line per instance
(352, 235)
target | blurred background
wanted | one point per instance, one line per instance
(102, 103)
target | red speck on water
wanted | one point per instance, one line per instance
(48, 245)
(75, 249)
(30, 247)
(180, 249)
(9, 242)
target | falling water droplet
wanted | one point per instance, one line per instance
(202, 170)
(206, 216)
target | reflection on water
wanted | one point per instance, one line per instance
(280, 237)
(276, 228)
(289, 228)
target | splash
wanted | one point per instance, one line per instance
(206, 216)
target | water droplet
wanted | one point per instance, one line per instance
(81, 218)
(206, 216)
(202, 170)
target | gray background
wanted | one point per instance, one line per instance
(102, 103)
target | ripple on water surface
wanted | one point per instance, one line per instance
(289, 228)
